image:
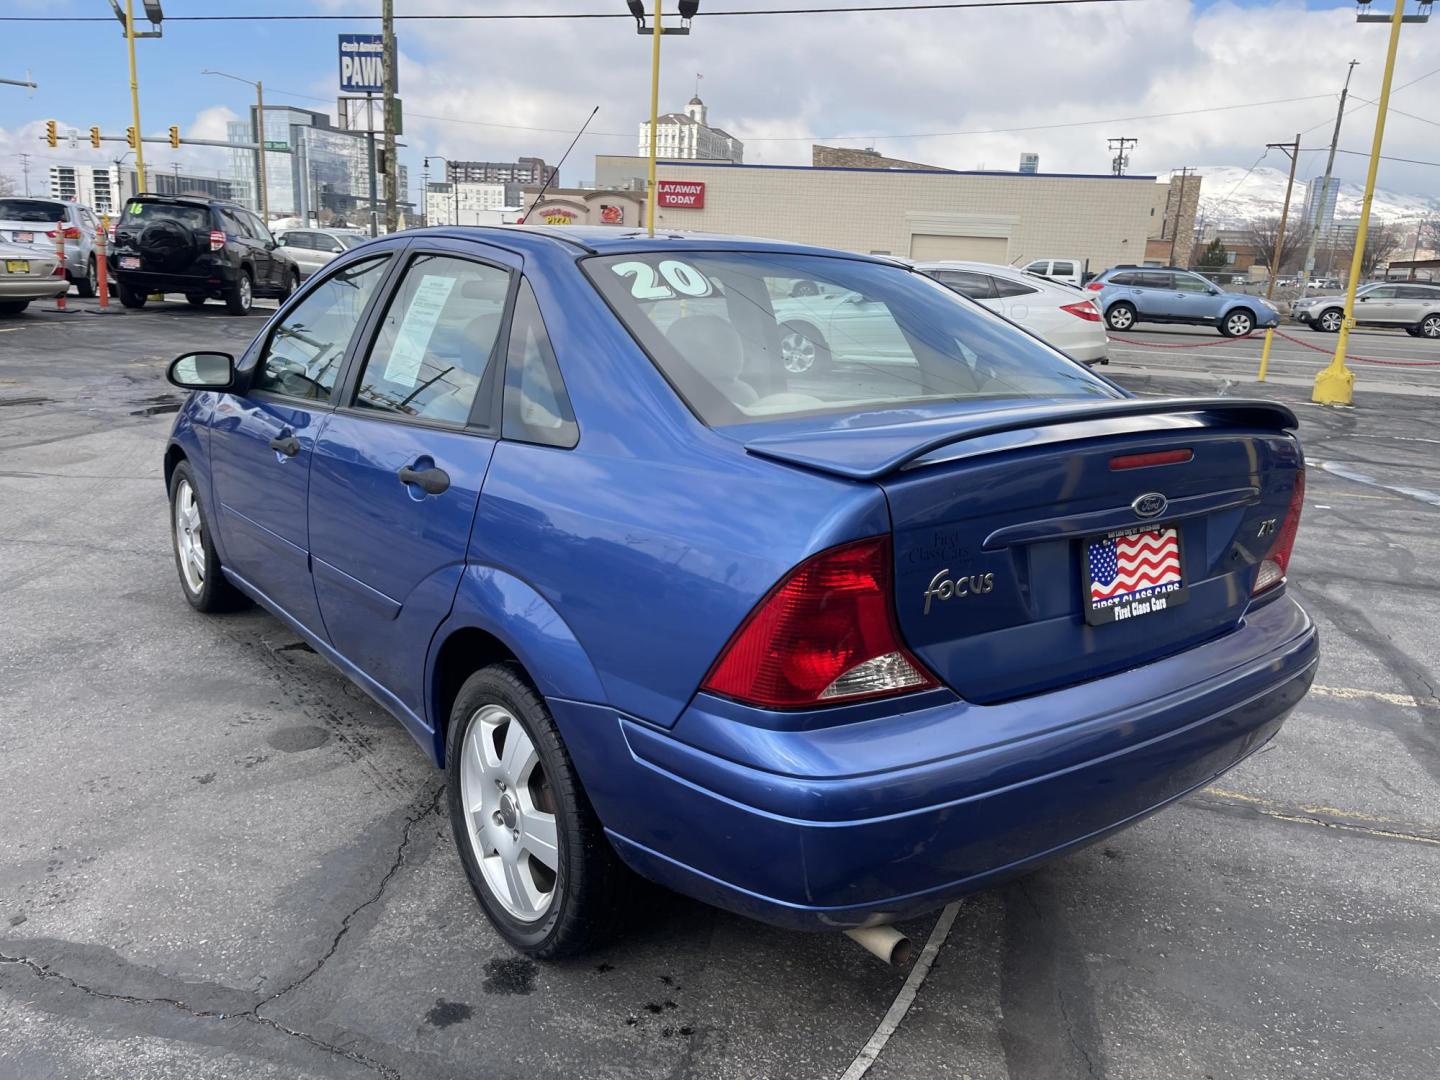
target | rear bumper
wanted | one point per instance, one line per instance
(32, 288)
(894, 815)
(207, 279)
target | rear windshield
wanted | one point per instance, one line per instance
(750, 335)
(192, 217)
(31, 211)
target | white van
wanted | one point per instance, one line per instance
(1070, 271)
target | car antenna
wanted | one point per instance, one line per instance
(556, 170)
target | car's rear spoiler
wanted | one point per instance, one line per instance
(868, 453)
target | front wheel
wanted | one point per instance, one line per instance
(1120, 316)
(1330, 320)
(529, 841)
(1237, 324)
(205, 587)
(195, 299)
(1430, 326)
(241, 296)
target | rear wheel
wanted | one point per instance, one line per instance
(241, 296)
(195, 299)
(1330, 320)
(1237, 323)
(1430, 326)
(13, 307)
(88, 285)
(528, 838)
(1120, 316)
(803, 348)
(130, 297)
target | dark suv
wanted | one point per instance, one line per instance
(204, 248)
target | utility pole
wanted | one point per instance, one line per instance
(1335, 384)
(1179, 212)
(25, 168)
(1121, 161)
(1292, 150)
(370, 141)
(1309, 263)
(392, 171)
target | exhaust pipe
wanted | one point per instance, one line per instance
(884, 942)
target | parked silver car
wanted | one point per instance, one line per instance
(1411, 305)
(26, 274)
(313, 248)
(32, 223)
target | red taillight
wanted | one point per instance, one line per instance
(825, 634)
(71, 233)
(1084, 309)
(1121, 462)
(59, 271)
(217, 240)
(1095, 286)
(1277, 559)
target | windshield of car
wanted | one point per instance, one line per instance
(746, 335)
(192, 217)
(31, 211)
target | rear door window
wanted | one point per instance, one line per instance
(966, 283)
(1064, 269)
(433, 350)
(1154, 279)
(1004, 288)
(1040, 268)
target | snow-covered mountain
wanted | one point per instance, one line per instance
(1229, 198)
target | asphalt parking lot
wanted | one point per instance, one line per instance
(219, 859)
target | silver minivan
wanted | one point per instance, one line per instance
(33, 222)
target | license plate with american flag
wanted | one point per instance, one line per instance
(1131, 574)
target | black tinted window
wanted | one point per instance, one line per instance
(966, 283)
(1122, 279)
(1063, 268)
(433, 348)
(191, 217)
(31, 211)
(1004, 287)
(302, 358)
(1154, 280)
(1419, 292)
(537, 409)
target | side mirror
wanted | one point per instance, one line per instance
(202, 371)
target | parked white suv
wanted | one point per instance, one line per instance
(1070, 271)
(33, 222)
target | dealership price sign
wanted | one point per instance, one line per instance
(680, 194)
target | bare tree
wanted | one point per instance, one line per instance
(7, 185)
(1264, 231)
(1382, 240)
(1430, 233)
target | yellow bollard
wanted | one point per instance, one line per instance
(1265, 355)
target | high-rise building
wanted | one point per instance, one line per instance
(1326, 223)
(97, 187)
(525, 171)
(688, 136)
(312, 168)
(471, 204)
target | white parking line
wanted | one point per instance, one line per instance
(906, 997)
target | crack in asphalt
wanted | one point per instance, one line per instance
(253, 1014)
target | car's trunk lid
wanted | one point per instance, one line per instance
(992, 519)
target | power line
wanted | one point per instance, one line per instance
(551, 15)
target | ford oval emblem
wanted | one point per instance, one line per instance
(1150, 505)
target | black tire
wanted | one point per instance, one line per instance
(1429, 326)
(803, 349)
(89, 285)
(13, 307)
(1329, 320)
(215, 593)
(1237, 322)
(1121, 316)
(292, 282)
(240, 297)
(130, 297)
(195, 299)
(590, 885)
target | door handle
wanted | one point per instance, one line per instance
(285, 444)
(431, 481)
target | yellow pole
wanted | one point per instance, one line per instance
(1335, 384)
(654, 117)
(1279, 247)
(135, 96)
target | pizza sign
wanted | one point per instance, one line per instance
(682, 194)
(556, 215)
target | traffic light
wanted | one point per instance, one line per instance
(95, 136)
(130, 137)
(52, 134)
(174, 137)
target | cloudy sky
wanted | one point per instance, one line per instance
(947, 87)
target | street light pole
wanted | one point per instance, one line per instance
(650, 192)
(135, 92)
(1335, 384)
(262, 191)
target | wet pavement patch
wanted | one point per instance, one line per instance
(292, 740)
(446, 1013)
(509, 975)
(25, 401)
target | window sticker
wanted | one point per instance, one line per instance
(674, 277)
(416, 330)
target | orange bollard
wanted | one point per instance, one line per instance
(101, 238)
(60, 267)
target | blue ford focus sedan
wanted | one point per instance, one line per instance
(827, 649)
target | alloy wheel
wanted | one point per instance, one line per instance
(509, 814)
(797, 352)
(1431, 326)
(1330, 321)
(1120, 318)
(247, 294)
(1239, 324)
(189, 542)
